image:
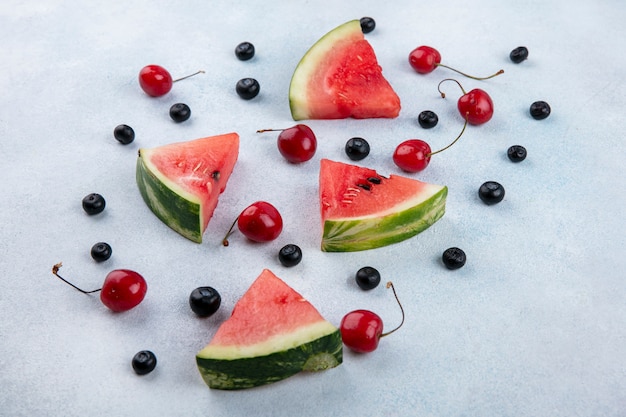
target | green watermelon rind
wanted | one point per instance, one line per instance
(233, 374)
(351, 235)
(178, 209)
(299, 81)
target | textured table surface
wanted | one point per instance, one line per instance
(533, 325)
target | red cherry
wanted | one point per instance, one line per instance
(361, 330)
(122, 290)
(413, 155)
(156, 81)
(476, 106)
(259, 222)
(425, 59)
(297, 144)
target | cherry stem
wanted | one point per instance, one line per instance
(269, 130)
(471, 76)
(443, 95)
(55, 271)
(454, 141)
(390, 285)
(190, 75)
(230, 232)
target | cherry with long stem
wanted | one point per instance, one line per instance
(413, 155)
(361, 330)
(122, 289)
(425, 59)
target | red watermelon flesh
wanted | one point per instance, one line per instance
(270, 308)
(272, 334)
(362, 209)
(340, 77)
(181, 182)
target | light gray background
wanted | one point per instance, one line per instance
(533, 325)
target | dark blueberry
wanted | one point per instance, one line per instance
(180, 112)
(453, 258)
(428, 119)
(357, 148)
(144, 362)
(205, 301)
(539, 110)
(491, 192)
(101, 251)
(244, 51)
(367, 278)
(93, 203)
(124, 134)
(516, 153)
(290, 255)
(367, 24)
(248, 88)
(519, 54)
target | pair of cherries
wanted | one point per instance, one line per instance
(475, 106)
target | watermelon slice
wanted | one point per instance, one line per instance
(273, 333)
(362, 210)
(181, 182)
(339, 77)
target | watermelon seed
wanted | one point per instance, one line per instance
(374, 180)
(215, 175)
(364, 186)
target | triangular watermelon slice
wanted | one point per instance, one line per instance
(362, 209)
(181, 182)
(339, 77)
(273, 333)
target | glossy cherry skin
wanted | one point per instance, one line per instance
(260, 222)
(424, 59)
(361, 330)
(412, 155)
(297, 144)
(155, 80)
(477, 106)
(123, 289)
